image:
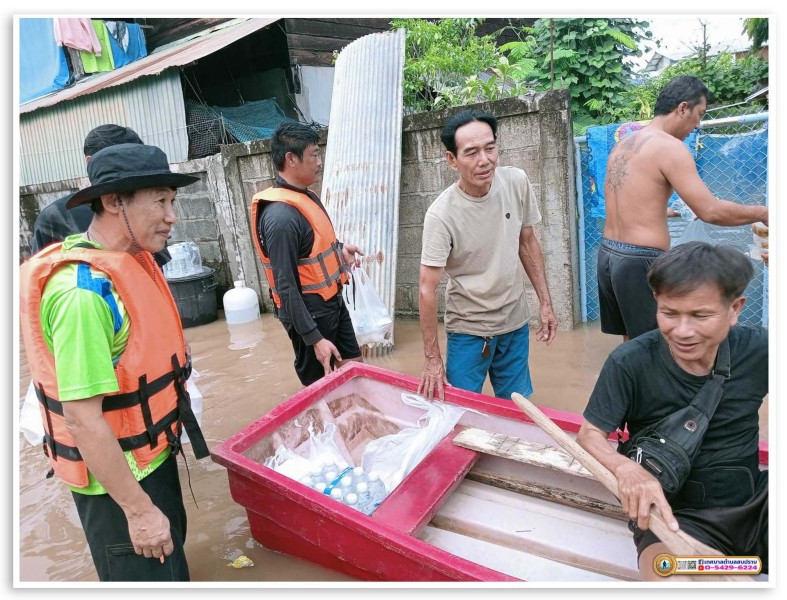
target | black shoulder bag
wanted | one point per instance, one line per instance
(668, 448)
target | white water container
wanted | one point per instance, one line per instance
(241, 304)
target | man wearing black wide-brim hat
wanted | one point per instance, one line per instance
(107, 357)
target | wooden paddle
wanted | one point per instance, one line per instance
(679, 542)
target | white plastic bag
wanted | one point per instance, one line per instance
(196, 401)
(286, 462)
(322, 450)
(371, 320)
(32, 427)
(695, 232)
(395, 455)
(30, 418)
(322, 446)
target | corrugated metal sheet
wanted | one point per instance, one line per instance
(172, 55)
(363, 159)
(51, 140)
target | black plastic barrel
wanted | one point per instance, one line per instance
(195, 296)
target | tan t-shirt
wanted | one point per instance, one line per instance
(477, 241)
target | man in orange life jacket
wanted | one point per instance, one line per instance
(107, 357)
(304, 263)
(55, 222)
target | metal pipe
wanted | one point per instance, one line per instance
(739, 120)
(583, 295)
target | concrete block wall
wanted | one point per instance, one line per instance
(534, 134)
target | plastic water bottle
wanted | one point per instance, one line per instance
(330, 475)
(320, 486)
(351, 500)
(336, 494)
(359, 475)
(241, 304)
(363, 497)
(377, 491)
(346, 484)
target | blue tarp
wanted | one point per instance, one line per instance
(735, 167)
(42, 63)
(601, 140)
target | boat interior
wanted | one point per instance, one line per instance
(496, 491)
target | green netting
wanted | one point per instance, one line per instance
(211, 126)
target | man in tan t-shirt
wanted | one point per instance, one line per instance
(480, 230)
(643, 170)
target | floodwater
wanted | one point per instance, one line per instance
(245, 371)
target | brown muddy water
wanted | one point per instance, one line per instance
(244, 371)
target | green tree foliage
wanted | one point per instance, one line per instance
(446, 65)
(588, 56)
(756, 30)
(728, 80)
(443, 56)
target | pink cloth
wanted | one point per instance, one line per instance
(78, 34)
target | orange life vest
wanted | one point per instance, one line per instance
(152, 405)
(324, 269)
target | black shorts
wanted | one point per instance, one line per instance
(624, 295)
(337, 328)
(106, 529)
(733, 530)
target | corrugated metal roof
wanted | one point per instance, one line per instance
(172, 55)
(51, 140)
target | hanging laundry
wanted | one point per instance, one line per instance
(119, 56)
(119, 31)
(136, 42)
(78, 34)
(42, 63)
(75, 64)
(93, 63)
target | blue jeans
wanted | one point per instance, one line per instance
(506, 364)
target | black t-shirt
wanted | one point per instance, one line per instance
(286, 236)
(641, 383)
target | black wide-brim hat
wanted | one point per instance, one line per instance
(126, 168)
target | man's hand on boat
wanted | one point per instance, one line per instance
(638, 491)
(433, 379)
(325, 350)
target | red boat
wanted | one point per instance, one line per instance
(460, 515)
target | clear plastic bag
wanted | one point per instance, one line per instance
(323, 448)
(395, 455)
(371, 320)
(286, 462)
(695, 232)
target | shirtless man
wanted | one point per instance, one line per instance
(642, 172)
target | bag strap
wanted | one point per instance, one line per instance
(709, 396)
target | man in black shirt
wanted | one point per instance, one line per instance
(724, 504)
(304, 263)
(55, 222)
